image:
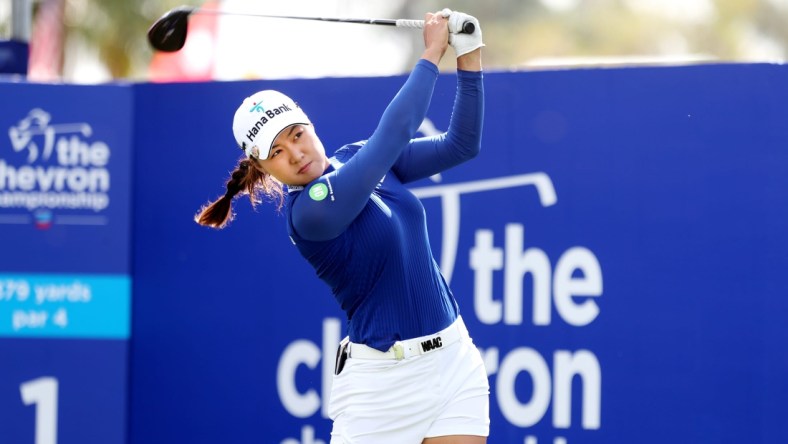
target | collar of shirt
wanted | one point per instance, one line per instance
(333, 164)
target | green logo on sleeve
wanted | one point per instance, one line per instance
(318, 192)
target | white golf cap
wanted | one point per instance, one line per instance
(260, 119)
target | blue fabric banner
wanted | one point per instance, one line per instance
(65, 262)
(615, 249)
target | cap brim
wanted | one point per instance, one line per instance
(297, 120)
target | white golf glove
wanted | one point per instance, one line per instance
(462, 43)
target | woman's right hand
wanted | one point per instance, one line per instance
(436, 36)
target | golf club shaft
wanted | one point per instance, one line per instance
(468, 27)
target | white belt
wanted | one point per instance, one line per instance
(413, 347)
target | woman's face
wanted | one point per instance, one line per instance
(297, 156)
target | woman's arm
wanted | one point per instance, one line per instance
(351, 185)
(430, 155)
(471, 61)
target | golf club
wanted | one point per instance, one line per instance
(168, 33)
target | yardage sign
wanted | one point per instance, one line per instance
(65, 289)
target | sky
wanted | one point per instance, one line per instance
(275, 48)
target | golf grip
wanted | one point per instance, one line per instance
(467, 27)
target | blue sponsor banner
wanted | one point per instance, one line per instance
(58, 306)
(65, 285)
(615, 249)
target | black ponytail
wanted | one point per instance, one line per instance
(244, 179)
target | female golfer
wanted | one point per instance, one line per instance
(410, 372)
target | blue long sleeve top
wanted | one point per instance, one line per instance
(365, 234)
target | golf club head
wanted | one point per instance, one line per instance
(168, 33)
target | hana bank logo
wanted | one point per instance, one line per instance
(257, 107)
(450, 201)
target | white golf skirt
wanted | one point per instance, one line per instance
(424, 387)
